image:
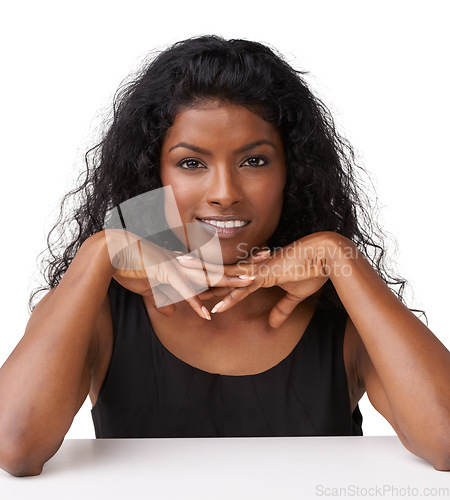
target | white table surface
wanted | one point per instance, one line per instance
(231, 468)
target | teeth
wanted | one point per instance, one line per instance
(228, 223)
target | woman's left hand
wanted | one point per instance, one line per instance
(300, 269)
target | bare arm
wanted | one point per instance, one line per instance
(45, 380)
(48, 375)
(405, 368)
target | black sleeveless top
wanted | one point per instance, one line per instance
(149, 392)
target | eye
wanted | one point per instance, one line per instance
(255, 161)
(190, 164)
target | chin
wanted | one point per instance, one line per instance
(226, 258)
(231, 260)
(237, 254)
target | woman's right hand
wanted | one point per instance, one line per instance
(154, 272)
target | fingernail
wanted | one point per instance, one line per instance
(246, 277)
(206, 313)
(262, 252)
(185, 257)
(218, 306)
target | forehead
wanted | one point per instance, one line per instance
(229, 123)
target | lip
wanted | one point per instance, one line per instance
(223, 232)
(223, 217)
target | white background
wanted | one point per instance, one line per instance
(382, 67)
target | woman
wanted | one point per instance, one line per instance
(240, 341)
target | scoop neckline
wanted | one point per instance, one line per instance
(226, 375)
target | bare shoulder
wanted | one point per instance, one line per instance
(103, 339)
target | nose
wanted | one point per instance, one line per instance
(224, 188)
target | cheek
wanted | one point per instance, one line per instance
(178, 206)
(279, 190)
(163, 173)
(186, 197)
(270, 195)
(271, 205)
(172, 199)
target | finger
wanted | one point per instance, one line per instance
(214, 292)
(166, 310)
(212, 279)
(257, 257)
(158, 297)
(235, 296)
(220, 281)
(192, 262)
(199, 308)
(240, 268)
(179, 288)
(283, 309)
(189, 295)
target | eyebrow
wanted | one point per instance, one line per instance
(243, 149)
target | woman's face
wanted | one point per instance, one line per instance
(227, 170)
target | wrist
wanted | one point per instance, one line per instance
(339, 252)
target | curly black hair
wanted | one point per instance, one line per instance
(322, 191)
